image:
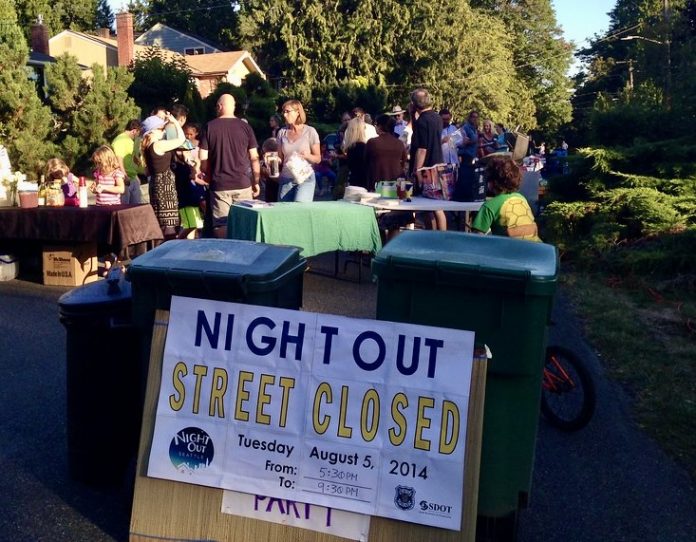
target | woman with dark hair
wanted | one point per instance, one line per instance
(299, 151)
(385, 155)
(507, 212)
(275, 123)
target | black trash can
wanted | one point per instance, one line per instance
(104, 405)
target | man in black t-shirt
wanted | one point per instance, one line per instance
(426, 146)
(230, 160)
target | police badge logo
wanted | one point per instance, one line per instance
(405, 497)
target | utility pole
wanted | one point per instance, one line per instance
(668, 52)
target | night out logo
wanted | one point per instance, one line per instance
(191, 449)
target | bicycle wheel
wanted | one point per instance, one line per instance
(568, 395)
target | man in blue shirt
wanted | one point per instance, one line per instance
(470, 141)
(464, 189)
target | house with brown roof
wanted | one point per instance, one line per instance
(211, 69)
(207, 69)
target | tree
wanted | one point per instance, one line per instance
(77, 15)
(386, 47)
(159, 79)
(139, 10)
(66, 91)
(105, 16)
(540, 54)
(647, 52)
(89, 112)
(461, 56)
(214, 20)
(25, 123)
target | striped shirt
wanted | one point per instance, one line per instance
(109, 198)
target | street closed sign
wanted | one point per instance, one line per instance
(359, 415)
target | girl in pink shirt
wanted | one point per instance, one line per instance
(109, 177)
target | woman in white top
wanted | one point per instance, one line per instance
(299, 144)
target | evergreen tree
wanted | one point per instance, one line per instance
(105, 109)
(214, 20)
(316, 47)
(139, 9)
(105, 16)
(67, 88)
(89, 112)
(540, 54)
(59, 15)
(158, 80)
(25, 123)
(642, 64)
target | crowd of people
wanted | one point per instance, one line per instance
(192, 176)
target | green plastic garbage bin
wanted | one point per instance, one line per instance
(502, 289)
(103, 391)
(219, 269)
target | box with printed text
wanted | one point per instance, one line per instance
(70, 265)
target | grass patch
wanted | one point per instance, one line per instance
(645, 331)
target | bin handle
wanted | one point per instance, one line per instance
(113, 279)
(513, 274)
(114, 323)
(444, 267)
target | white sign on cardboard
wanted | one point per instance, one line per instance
(296, 514)
(361, 415)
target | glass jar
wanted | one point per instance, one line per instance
(54, 195)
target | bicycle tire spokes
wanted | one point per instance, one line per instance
(568, 395)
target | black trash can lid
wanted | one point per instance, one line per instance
(97, 297)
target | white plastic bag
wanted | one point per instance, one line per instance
(456, 139)
(299, 168)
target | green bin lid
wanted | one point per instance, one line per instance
(228, 259)
(456, 256)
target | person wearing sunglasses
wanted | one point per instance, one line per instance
(299, 150)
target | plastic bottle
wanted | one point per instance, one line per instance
(42, 191)
(82, 193)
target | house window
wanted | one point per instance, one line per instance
(194, 51)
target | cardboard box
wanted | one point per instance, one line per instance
(70, 265)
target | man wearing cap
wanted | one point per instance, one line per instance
(400, 124)
(228, 152)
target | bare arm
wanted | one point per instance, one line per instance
(205, 166)
(314, 156)
(255, 170)
(164, 145)
(420, 159)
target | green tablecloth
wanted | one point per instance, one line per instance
(316, 227)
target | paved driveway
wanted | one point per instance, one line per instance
(608, 482)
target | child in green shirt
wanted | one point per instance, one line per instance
(507, 212)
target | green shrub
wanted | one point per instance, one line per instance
(566, 224)
(643, 211)
(666, 255)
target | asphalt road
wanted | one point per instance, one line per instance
(608, 482)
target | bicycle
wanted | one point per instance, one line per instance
(568, 396)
